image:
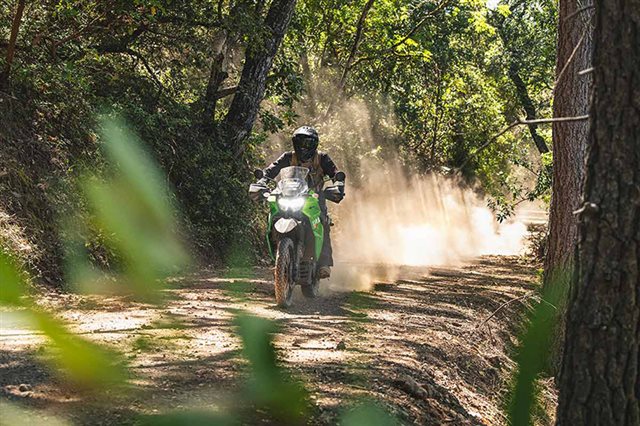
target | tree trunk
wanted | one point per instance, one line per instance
(522, 91)
(217, 75)
(600, 381)
(571, 98)
(527, 104)
(11, 48)
(246, 102)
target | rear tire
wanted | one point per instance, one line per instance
(284, 273)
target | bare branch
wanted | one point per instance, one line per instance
(223, 93)
(519, 122)
(573, 55)
(352, 54)
(578, 12)
(504, 305)
(146, 65)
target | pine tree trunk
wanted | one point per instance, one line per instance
(246, 102)
(600, 380)
(571, 98)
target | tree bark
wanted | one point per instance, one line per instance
(600, 380)
(571, 99)
(11, 48)
(246, 102)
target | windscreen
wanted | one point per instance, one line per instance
(293, 181)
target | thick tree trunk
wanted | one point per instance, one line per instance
(11, 48)
(600, 380)
(571, 98)
(246, 102)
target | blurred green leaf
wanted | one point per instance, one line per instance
(12, 414)
(84, 362)
(368, 414)
(269, 386)
(12, 286)
(191, 418)
(132, 210)
(534, 350)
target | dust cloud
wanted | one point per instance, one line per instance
(395, 221)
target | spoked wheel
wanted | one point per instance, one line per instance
(284, 273)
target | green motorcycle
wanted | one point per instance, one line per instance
(295, 231)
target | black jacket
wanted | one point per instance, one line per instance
(328, 166)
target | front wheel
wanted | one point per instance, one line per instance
(284, 272)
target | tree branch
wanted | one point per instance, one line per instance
(440, 6)
(578, 12)
(146, 65)
(223, 93)
(11, 49)
(352, 54)
(571, 57)
(519, 122)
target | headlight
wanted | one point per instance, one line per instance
(291, 203)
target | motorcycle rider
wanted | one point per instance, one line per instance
(305, 154)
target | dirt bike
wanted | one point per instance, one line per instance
(295, 231)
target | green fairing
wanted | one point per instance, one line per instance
(312, 210)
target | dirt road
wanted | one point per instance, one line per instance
(419, 345)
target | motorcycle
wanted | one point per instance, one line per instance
(295, 231)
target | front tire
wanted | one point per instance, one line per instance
(284, 272)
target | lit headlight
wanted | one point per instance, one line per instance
(291, 203)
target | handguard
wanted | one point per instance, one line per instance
(257, 191)
(334, 193)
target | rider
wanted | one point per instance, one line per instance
(305, 154)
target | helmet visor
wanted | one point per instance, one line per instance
(304, 146)
(305, 142)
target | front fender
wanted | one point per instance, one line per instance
(285, 225)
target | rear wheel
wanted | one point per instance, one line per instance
(284, 273)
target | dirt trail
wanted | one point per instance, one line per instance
(417, 345)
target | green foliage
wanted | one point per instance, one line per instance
(533, 353)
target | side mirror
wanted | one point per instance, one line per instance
(258, 174)
(340, 177)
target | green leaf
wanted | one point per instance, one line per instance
(82, 361)
(11, 281)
